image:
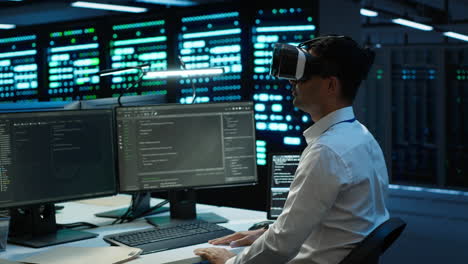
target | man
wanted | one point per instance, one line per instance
(337, 196)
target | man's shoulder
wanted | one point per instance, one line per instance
(343, 139)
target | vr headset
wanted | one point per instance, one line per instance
(293, 63)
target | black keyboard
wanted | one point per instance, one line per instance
(168, 237)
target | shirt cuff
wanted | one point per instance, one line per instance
(231, 260)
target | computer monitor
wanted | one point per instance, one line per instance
(49, 157)
(282, 168)
(140, 202)
(179, 148)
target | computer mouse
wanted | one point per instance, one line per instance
(262, 224)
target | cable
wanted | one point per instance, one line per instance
(142, 73)
(125, 215)
(159, 205)
(121, 70)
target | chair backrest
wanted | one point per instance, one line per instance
(375, 244)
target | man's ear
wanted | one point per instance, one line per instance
(333, 85)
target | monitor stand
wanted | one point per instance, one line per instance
(140, 204)
(36, 227)
(183, 208)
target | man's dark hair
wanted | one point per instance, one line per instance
(342, 57)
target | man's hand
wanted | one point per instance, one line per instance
(214, 255)
(239, 239)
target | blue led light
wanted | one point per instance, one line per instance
(277, 108)
(261, 69)
(263, 97)
(260, 107)
(261, 126)
(261, 53)
(74, 48)
(210, 17)
(225, 49)
(212, 33)
(18, 53)
(194, 44)
(261, 117)
(292, 141)
(286, 28)
(261, 149)
(276, 117)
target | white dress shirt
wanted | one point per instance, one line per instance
(336, 199)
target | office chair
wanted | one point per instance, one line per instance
(375, 244)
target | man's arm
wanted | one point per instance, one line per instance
(319, 177)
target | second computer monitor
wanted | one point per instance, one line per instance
(173, 146)
(49, 157)
(280, 176)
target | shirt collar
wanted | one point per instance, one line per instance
(326, 122)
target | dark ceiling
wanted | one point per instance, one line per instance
(33, 12)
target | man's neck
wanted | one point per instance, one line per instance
(321, 111)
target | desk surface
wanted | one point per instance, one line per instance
(83, 211)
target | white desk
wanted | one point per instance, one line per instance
(239, 219)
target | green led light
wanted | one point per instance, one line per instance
(89, 97)
(380, 71)
(379, 77)
(114, 36)
(73, 32)
(274, 11)
(154, 83)
(73, 40)
(138, 33)
(155, 92)
(56, 34)
(309, 19)
(95, 38)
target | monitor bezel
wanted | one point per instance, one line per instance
(77, 197)
(269, 178)
(240, 184)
